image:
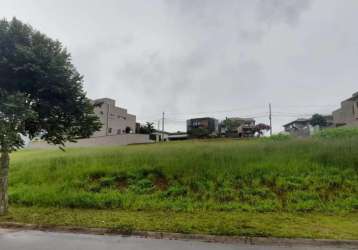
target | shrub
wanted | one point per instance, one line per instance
(342, 132)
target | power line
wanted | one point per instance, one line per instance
(163, 126)
(257, 112)
(306, 106)
(257, 115)
(242, 109)
(211, 112)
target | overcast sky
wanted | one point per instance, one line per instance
(193, 58)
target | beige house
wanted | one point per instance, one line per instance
(300, 127)
(115, 120)
(238, 125)
(347, 115)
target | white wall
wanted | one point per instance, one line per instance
(115, 140)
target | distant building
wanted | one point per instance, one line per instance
(347, 115)
(115, 120)
(238, 125)
(178, 136)
(243, 121)
(211, 124)
(300, 127)
(329, 121)
(159, 136)
(167, 136)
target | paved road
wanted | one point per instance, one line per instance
(36, 240)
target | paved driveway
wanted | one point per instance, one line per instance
(36, 240)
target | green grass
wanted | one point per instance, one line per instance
(342, 132)
(222, 179)
(287, 225)
(223, 175)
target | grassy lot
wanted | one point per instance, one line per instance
(286, 225)
(202, 186)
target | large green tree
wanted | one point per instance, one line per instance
(318, 120)
(148, 128)
(41, 94)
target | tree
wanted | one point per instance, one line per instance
(41, 94)
(148, 128)
(260, 128)
(230, 125)
(318, 120)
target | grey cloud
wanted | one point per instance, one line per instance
(248, 18)
(288, 11)
(160, 78)
(188, 56)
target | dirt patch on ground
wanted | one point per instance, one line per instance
(161, 183)
(121, 184)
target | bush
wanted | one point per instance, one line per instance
(280, 137)
(342, 132)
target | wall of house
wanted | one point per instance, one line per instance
(115, 140)
(299, 129)
(347, 114)
(115, 120)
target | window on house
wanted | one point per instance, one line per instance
(123, 117)
(110, 130)
(196, 124)
(119, 132)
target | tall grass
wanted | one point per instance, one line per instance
(341, 132)
(261, 175)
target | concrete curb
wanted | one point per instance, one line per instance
(351, 244)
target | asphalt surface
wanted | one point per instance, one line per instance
(37, 240)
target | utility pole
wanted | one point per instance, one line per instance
(157, 135)
(270, 117)
(163, 127)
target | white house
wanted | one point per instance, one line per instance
(115, 120)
